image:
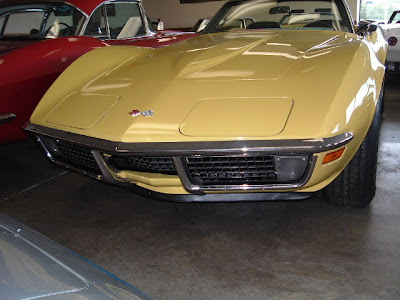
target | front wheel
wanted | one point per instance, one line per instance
(355, 186)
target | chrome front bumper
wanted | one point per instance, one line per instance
(178, 150)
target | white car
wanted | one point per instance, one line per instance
(391, 32)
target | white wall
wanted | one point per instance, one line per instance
(176, 15)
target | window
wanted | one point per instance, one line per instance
(379, 10)
(124, 21)
(63, 21)
(17, 23)
(40, 20)
(97, 24)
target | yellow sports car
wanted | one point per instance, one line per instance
(275, 101)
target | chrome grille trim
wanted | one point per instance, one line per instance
(195, 188)
(230, 169)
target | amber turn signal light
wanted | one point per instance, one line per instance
(333, 156)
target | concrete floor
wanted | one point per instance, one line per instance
(300, 250)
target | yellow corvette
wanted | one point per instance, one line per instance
(275, 101)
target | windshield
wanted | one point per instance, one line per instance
(281, 14)
(40, 20)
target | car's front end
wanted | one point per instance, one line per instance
(201, 171)
(238, 115)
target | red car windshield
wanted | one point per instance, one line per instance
(40, 20)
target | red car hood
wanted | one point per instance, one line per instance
(7, 45)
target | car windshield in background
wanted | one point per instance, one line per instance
(286, 14)
(40, 20)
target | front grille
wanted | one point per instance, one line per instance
(76, 156)
(197, 172)
(231, 170)
(157, 164)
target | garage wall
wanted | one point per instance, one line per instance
(176, 15)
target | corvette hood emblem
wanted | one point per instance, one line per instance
(147, 113)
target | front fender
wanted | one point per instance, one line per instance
(27, 72)
(95, 64)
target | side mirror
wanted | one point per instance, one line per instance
(160, 26)
(372, 28)
(365, 27)
(157, 24)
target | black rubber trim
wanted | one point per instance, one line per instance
(223, 197)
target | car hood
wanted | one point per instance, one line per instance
(7, 46)
(215, 87)
(236, 55)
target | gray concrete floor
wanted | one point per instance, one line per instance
(300, 250)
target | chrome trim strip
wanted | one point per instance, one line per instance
(77, 8)
(196, 189)
(5, 118)
(106, 171)
(145, 22)
(297, 146)
(221, 197)
(183, 176)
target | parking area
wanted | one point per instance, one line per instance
(276, 250)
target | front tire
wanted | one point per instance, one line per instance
(355, 186)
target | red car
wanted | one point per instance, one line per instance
(40, 38)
